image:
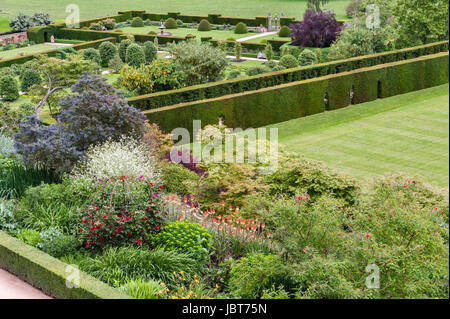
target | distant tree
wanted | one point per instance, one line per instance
(421, 21)
(314, 5)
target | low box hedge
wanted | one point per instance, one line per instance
(301, 98)
(221, 88)
(49, 274)
(52, 52)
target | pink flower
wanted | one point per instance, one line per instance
(367, 236)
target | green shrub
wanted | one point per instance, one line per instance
(175, 178)
(115, 63)
(140, 289)
(185, 237)
(201, 62)
(271, 64)
(9, 90)
(234, 74)
(53, 205)
(307, 57)
(259, 69)
(241, 28)
(268, 52)
(251, 273)
(288, 61)
(56, 244)
(302, 176)
(117, 266)
(150, 51)
(179, 22)
(137, 22)
(29, 236)
(93, 55)
(96, 26)
(109, 23)
(28, 79)
(135, 55)
(284, 32)
(107, 51)
(237, 50)
(204, 25)
(123, 46)
(8, 222)
(62, 53)
(171, 24)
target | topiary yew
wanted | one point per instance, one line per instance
(171, 24)
(241, 28)
(135, 55)
(204, 25)
(107, 51)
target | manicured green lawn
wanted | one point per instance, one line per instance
(26, 50)
(237, 8)
(4, 22)
(407, 133)
(270, 37)
(182, 32)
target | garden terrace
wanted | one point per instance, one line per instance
(302, 98)
(217, 89)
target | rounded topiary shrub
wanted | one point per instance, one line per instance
(93, 55)
(150, 51)
(107, 51)
(135, 55)
(204, 25)
(259, 69)
(241, 28)
(123, 46)
(284, 32)
(152, 32)
(288, 61)
(179, 22)
(115, 63)
(171, 24)
(307, 57)
(96, 27)
(234, 74)
(9, 88)
(137, 22)
(28, 79)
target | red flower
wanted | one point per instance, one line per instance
(367, 236)
(160, 187)
(81, 229)
(156, 227)
(138, 241)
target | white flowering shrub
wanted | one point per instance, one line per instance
(126, 157)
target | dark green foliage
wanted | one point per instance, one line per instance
(17, 178)
(175, 177)
(57, 244)
(9, 90)
(294, 99)
(123, 46)
(284, 32)
(137, 22)
(260, 69)
(96, 26)
(288, 61)
(241, 28)
(307, 57)
(150, 51)
(28, 79)
(93, 55)
(301, 176)
(118, 265)
(135, 55)
(204, 25)
(171, 24)
(21, 22)
(234, 74)
(62, 53)
(107, 51)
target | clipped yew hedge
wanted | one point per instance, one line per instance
(301, 98)
(52, 52)
(217, 89)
